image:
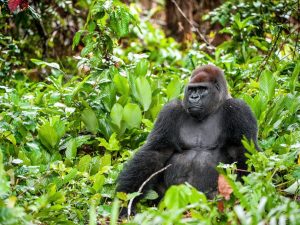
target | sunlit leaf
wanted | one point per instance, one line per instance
(174, 88)
(84, 163)
(116, 114)
(90, 120)
(144, 92)
(132, 115)
(267, 83)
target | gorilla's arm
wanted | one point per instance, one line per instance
(239, 121)
(160, 145)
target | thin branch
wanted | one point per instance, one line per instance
(191, 24)
(266, 59)
(297, 37)
(142, 186)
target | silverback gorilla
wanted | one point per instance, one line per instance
(194, 136)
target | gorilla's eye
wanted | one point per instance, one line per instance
(217, 86)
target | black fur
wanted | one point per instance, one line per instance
(194, 142)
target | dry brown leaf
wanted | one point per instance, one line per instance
(224, 188)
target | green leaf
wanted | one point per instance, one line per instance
(132, 78)
(267, 83)
(87, 49)
(48, 136)
(75, 143)
(115, 212)
(119, 21)
(174, 88)
(116, 114)
(176, 197)
(98, 181)
(293, 188)
(141, 68)
(132, 115)
(144, 92)
(90, 120)
(112, 145)
(106, 160)
(70, 176)
(95, 165)
(43, 63)
(71, 151)
(84, 163)
(79, 86)
(76, 38)
(151, 195)
(295, 77)
(121, 84)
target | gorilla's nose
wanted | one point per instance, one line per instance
(194, 98)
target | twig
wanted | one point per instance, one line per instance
(191, 24)
(241, 170)
(297, 37)
(143, 185)
(266, 59)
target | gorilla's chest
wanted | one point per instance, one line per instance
(205, 134)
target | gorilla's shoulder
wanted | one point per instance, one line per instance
(172, 110)
(234, 105)
(238, 114)
(174, 104)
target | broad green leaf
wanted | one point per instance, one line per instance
(112, 145)
(48, 136)
(133, 88)
(141, 68)
(4, 183)
(144, 92)
(98, 181)
(9, 136)
(23, 156)
(132, 115)
(119, 21)
(70, 176)
(116, 114)
(59, 127)
(90, 120)
(95, 165)
(105, 162)
(175, 197)
(79, 86)
(87, 49)
(75, 143)
(295, 77)
(115, 212)
(76, 38)
(293, 188)
(174, 88)
(105, 127)
(71, 151)
(43, 63)
(267, 83)
(121, 84)
(84, 163)
(151, 195)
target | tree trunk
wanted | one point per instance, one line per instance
(178, 24)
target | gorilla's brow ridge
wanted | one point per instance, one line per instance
(207, 73)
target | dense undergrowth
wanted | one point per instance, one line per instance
(65, 137)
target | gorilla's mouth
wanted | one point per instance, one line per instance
(194, 109)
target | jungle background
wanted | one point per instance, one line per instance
(82, 82)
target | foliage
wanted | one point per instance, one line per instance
(65, 135)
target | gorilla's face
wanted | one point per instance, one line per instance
(206, 92)
(201, 99)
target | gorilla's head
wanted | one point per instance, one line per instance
(206, 91)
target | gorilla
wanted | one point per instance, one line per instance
(194, 136)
